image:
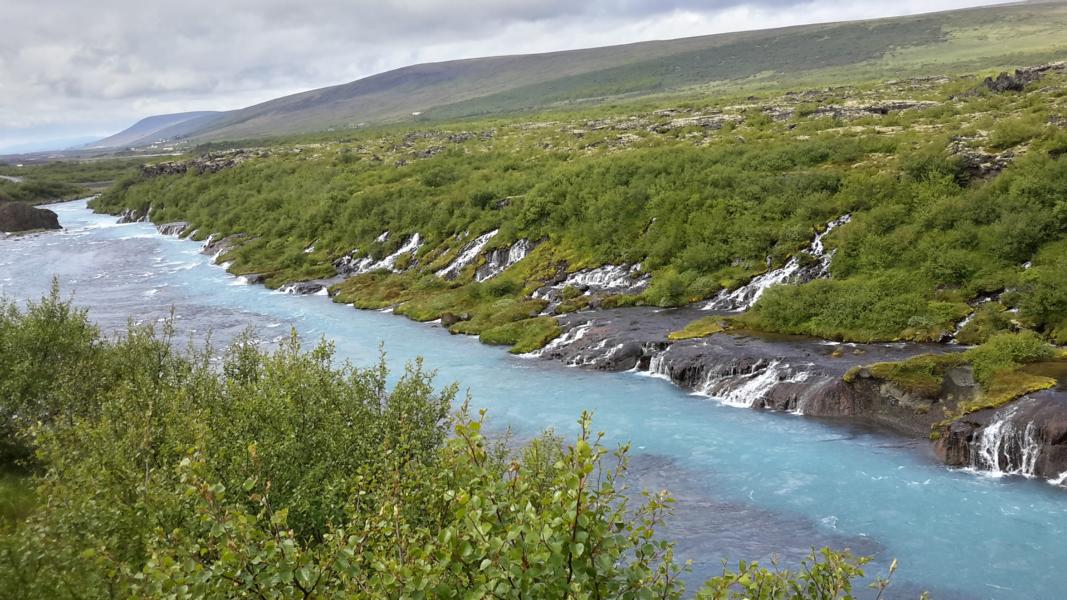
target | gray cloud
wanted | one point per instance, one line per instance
(89, 67)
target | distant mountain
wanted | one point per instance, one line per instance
(146, 130)
(971, 39)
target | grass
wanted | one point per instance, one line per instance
(698, 329)
(999, 367)
(523, 336)
(16, 498)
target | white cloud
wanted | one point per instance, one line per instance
(76, 67)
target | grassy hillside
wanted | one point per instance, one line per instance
(147, 130)
(957, 41)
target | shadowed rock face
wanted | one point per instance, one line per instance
(16, 217)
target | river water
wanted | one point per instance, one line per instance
(749, 483)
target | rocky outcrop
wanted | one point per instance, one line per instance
(175, 228)
(1028, 437)
(978, 163)
(133, 216)
(711, 122)
(17, 217)
(823, 379)
(1008, 82)
(847, 111)
(216, 246)
(211, 162)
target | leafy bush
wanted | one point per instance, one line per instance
(282, 475)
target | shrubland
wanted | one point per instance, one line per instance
(703, 193)
(152, 472)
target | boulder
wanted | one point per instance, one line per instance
(16, 216)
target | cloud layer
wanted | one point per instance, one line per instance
(76, 68)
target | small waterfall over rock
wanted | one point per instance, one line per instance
(175, 228)
(1005, 448)
(564, 340)
(499, 260)
(467, 256)
(610, 279)
(747, 390)
(350, 265)
(745, 296)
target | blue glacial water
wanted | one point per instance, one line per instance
(749, 483)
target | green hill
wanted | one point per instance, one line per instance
(963, 40)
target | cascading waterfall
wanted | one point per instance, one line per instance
(793, 272)
(498, 261)
(1006, 449)
(410, 247)
(614, 278)
(349, 265)
(568, 338)
(467, 256)
(753, 387)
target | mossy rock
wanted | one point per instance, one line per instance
(523, 336)
(698, 329)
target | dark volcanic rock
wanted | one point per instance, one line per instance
(16, 216)
(211, 162)
(774, 372)
(1007, 82)
(133, 216)
(1027, 437)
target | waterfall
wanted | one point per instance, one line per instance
(410, 247)
(381, 238)
(658, 367)
(499, 261)
(564, 340)
(349, 265)
(746, 391)
(467, 256)
(793, 272)
(1005, 449)
(608, 278)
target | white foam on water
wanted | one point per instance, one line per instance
(1005, 449)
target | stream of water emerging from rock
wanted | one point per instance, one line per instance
(749, 483)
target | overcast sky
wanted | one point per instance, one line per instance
(77, 68)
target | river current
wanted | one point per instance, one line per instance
(749, 483)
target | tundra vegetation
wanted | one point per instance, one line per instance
(139, 470)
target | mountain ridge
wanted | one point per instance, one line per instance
(912, 45)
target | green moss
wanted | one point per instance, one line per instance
(698, 328)
(1005, 386)
(922, 375)
(523, 336)
(999, 367)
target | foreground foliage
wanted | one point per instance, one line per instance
(281, 475)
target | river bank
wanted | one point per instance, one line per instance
(749, 483)
(800, 375)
